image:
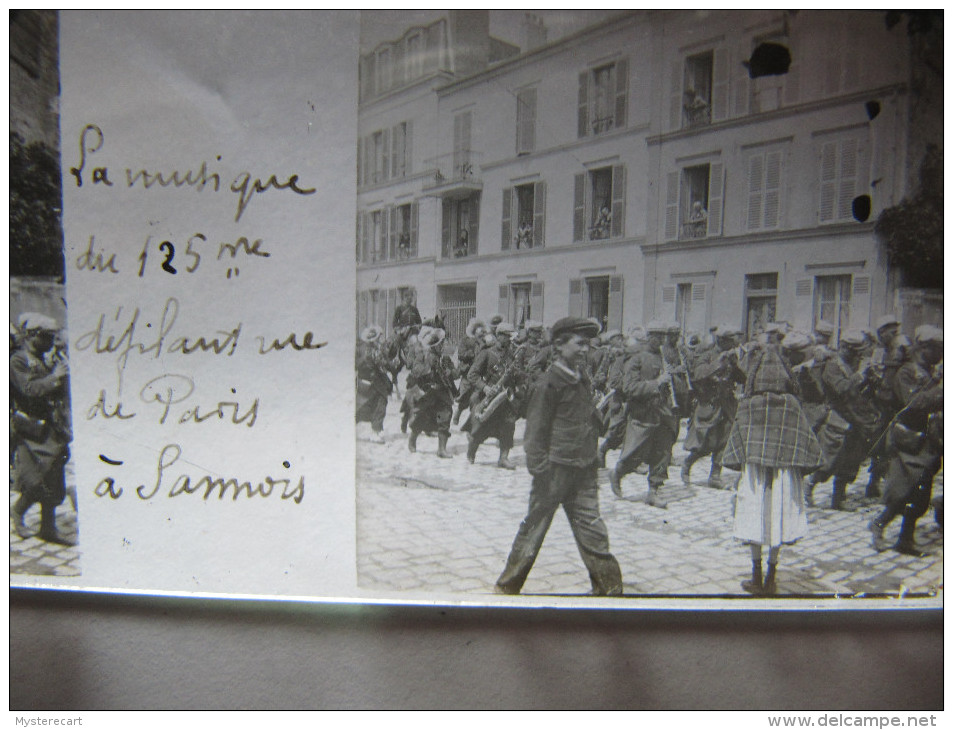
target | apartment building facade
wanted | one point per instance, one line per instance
(634, 170)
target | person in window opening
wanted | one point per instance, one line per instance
(463, 245)
(698, 219)
(403, 245)
(696, 106)
(603, 222)
(524, 237)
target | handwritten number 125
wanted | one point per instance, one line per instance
(169, 249)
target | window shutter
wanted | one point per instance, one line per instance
(507, 232)
(716, 197)
(671, 206)
(828, 181)
(474, 224)
(539, 216)
(698, 311)
(860, 301)
(385, 158)
(414, 225)
(741, 83)
(618, 201)
(583, 120)
(397, 156)
(391, 306)
(621, 91)
(362, 310)
(397, 72)
(579, 208)
(366, 243)
(360, 159)
(772, 189)
(536, 301)
(719, 86)
(371, 76)
(575, 297)
(447, 223)
(526, 121)
(847, 184)
(382, 243)
(357, 237)
(503, 307)
(755, 191)
(614, 321)
(699, 291)
(675, 110)
(666, 310)
(392, 250)
(409, 147)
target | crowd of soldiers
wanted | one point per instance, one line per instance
(874, 396)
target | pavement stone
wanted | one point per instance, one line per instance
(426, 524)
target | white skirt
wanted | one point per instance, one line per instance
(769, 506)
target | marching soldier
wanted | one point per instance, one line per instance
(652, 424)
(494, 379)
(890, 352)
(470, 345)
(675, 363)
(914, 441)
(823, 331)
(807, 374)
(433, 405)
(618, 357)
(373, 384)
(406, 314)
(847, 434)
(40, 424)
(714, 377)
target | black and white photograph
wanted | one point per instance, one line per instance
(649, 305)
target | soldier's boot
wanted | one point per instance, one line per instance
(404, 420)
(905, 543)
(17, 511)
(654, 499)
(770, 586)
(877, 527)
(456, 415)
(442, 446)
(412, 442)
(615, 481)
(839, 497)
(504, 461)
(48, 531)
(687, 468)
(873, 486)
(754, 585)
(714, 476)
(471, 448)
(809, 484)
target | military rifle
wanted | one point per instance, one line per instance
(488, 406)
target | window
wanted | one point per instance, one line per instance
(388, 234)
(603, 98)
(525, 121)
(414, 58)
(521, 301)
(764, 190)
(599, 204)
(832, 302)
(457, 306)
(385, 154)
(691, 305)
(384, 70)
(599, 297)
(401, 140)
(843, 176)
(694, 202)
(461, 219)
(403, 231)
(524, 216)
(462, 166)
(699, 89)
(761, 302)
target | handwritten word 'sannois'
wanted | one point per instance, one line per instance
(92, 140)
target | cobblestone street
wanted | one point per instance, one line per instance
(434, 526)
(34, 556)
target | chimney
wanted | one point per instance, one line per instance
(532, 32)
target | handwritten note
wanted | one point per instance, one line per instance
(208, 214)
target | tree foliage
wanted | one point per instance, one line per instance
(36, 238)
(912, 231)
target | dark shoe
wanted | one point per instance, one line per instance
(839, 496)
(412, 442)
(809, 485)
(502, 591)
(442, 447)
(872, 491)
(19, 525)
(654, 499)
(753, 586)
(909, 548)
(53, 536)
(615, 483)
(471, 449)
(715, 483)
(877, 532)
(770, 586)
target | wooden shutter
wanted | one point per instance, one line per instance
(583, 119)
(676, 99)
(409, 148)
(397, 63)
(461, 142)
(536, 301)
(526, 121)
(666, 311)
(446, 227)
(382, 243)
(772, 189)
(539, 216)
(719, 85)
(357, 237)
(368, 159)
(621, 91)
(397, 153)
(849, 164)
(618, 201)
(391, 306)
(579, 208)
(506, 234)
(372, 89)
(671, 206)
(716, 197)
(362, 311)
(575, 297)
(803, 304)
(755, 191)
(366, 243)
(474, 224)
(392, 248)
(385, 155)
(615, 303)
(741, 82)
(503, 305)
(697, 312)
(360, 159)
(828, 193)
(414, 226)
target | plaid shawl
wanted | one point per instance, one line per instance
(771, 430)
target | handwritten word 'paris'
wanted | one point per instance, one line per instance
(92, 140)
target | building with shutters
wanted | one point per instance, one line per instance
(633, 170)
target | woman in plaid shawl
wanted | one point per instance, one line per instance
(772, 443)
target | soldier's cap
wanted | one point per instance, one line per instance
(824, 327)
(532, 324)
(576, 326)
(433, 338)
(472, 325)
(656, 327)
(887, 320)
(797, 340)
(30, 321)
(674, 327)
(496, 319)
(853, 339)
(505, 328)
(371, 333)
(609, 334)
(927, 333)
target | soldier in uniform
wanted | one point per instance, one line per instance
(889, 353)
(848, 432)
(619, 355)
(652, 424)
(714, 376)
(675, 362)
(373, 384)
(798, 349)
(40, 425)
(470, 345)
(493, 372)
(562, 429)
(914, 441)
(823, 331)
(432, 408)
(406, 314)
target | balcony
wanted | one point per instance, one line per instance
(693, 229)
(457, 175)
